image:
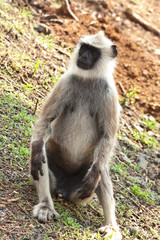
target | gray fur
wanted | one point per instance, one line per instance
(77, 128)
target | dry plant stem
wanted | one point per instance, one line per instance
(98, 213)
(35, 109)
(121, 87)
(24, 210)
(136, 18)
(3, 185)
(74, 211)
(70, 11)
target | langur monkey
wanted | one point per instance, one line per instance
(75, 134)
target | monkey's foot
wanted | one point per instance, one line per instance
(111, 232)
(44, 212)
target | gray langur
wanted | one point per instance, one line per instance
(75, 134)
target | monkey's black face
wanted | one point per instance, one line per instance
(88, 56)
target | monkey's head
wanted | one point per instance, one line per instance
(94, 56)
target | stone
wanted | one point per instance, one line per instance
(142, 160)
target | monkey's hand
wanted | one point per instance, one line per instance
(37, 158)
(90, 182)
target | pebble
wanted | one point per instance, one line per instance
(158, 154)
(157, 52)
(152, 174)
(142, 160)
(145, 72)
(118, 19)
(151, 118)
(31, 226)
(139, 129)
(133, 229)
(42, 29)
(2, 206)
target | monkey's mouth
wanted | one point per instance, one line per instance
(84, 66)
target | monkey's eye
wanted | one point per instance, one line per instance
(82, 50)
(94, 52)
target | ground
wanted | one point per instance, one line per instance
(30, 63)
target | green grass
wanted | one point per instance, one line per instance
(16, 129)
(146, 138)
(129, 97)
(150, 124)
(140, 193)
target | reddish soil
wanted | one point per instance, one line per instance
(138, 61)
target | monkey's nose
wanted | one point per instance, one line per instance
(115, 52)
(84, 57)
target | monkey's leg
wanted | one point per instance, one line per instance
(44, 210)
(104, 193)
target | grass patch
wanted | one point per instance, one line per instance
(146, 138)
(140, 193)
(16, 129)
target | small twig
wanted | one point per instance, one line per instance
(8, 39)
(129, 128)
(56, 21)
(2, 77)
(35, 109)
(52, 20)
(24, 210)
(74, 211)
(98, 213)
(9, 30)
(13, 200)
(38, 92)
(6, 66)
(136, 203)
(70, 11)
(61, 51)
(5, 230)
(3, 58)
(122, 88)
(136, 18)
(3, 185)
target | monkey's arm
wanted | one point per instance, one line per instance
(107, 121)
(52, 108)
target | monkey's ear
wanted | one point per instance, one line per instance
(100, 33)
(100, 37)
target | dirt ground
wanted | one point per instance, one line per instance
(139, 58)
